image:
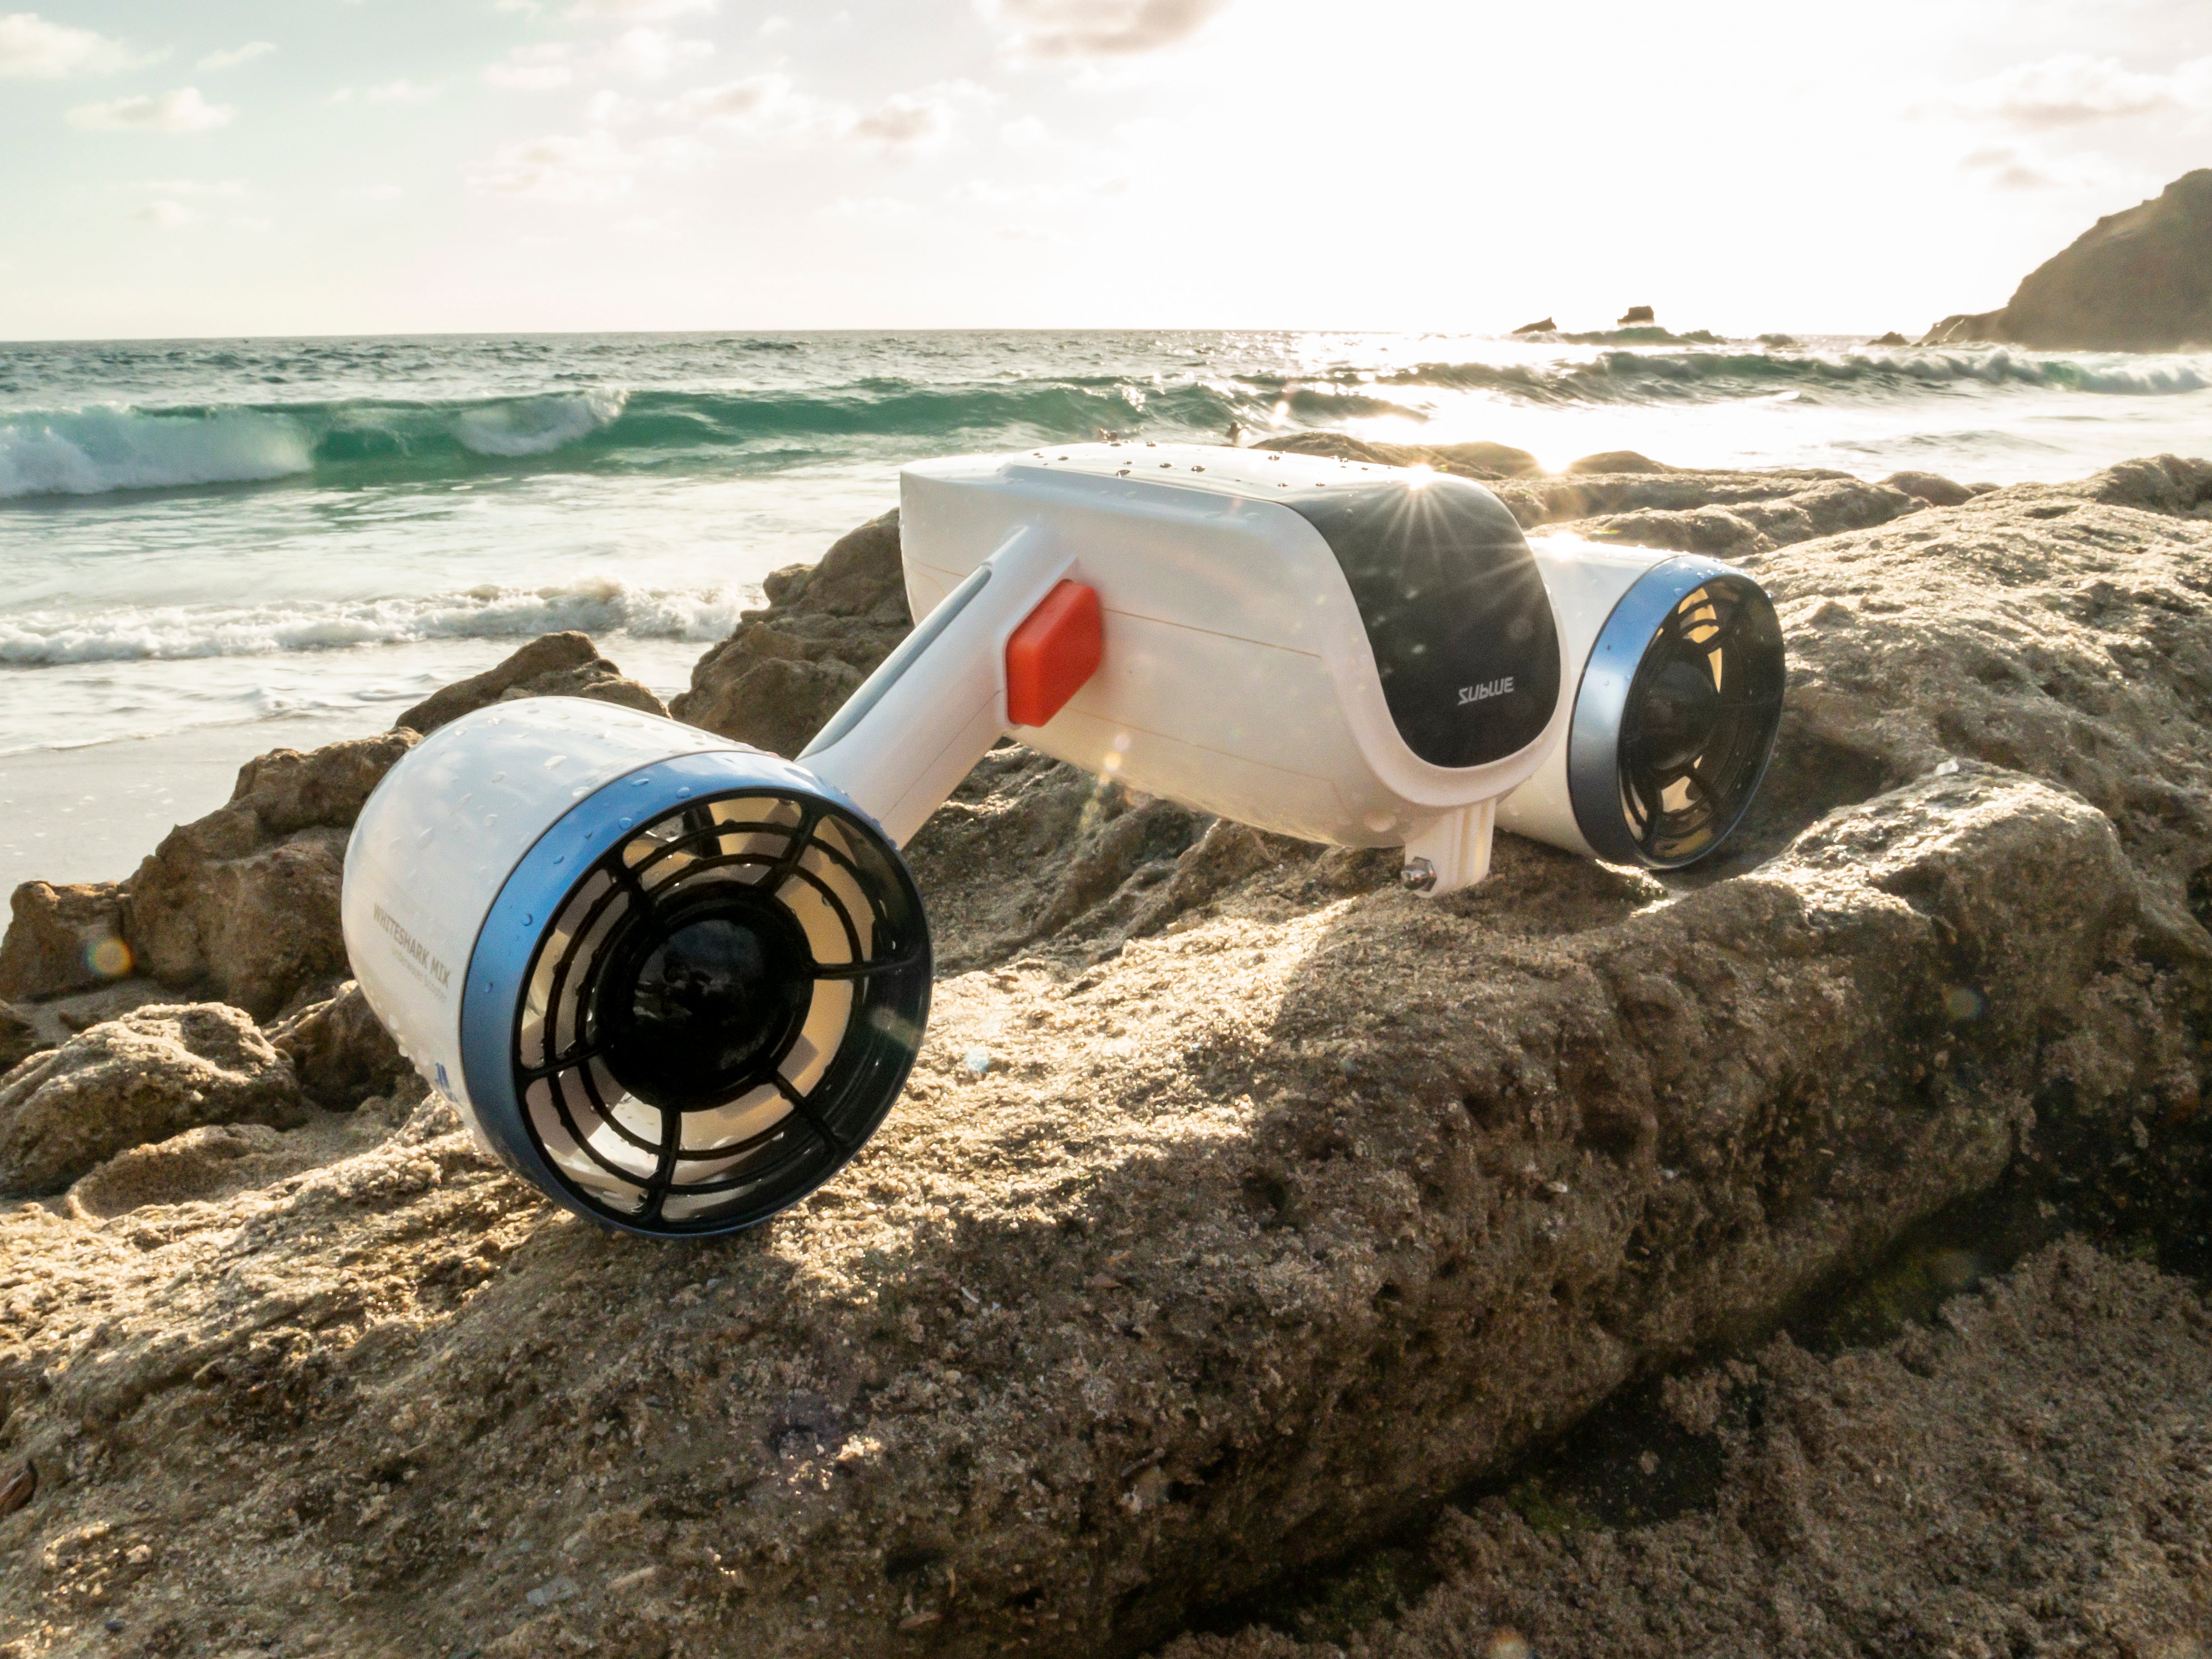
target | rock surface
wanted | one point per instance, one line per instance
(779, 677)
(1285, 1204)
(551, 665)
(2063, 631)
(340, 1052)
(2029, 1475)
(244, 902)
(142, 1077)
(2137, 281)
(54, 935)
(19, 1038)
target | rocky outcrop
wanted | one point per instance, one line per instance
(244, 902)
(19, 1039)
(777, 679)
(2137, 281)
(1106, 1332)
(1636, 314)
(1933, 488)
(2005, 1480)
(551, 665)
(141, 1079)
(1629, 498)
(1284, 1203)
(62, 938)
(340, 1050)
(2065, 631)
(1468, 460)
(1546, 326)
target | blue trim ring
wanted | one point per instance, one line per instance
(1593, 738)
(507, 945)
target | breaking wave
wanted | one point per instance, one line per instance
(133, 634)
(101, 449)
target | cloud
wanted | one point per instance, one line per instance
(589, 166)
(533, 68)
(237, 55)
(2074, 89)
(402, 91)
(651, 54)
(374, 193)
(644, 11)
(165, 216)
(904, 123)
(772, 27)
(2007, 168)
(870, 211)
(770, 106)
(1097, 28)
(181, 111)
(227, 187)
(766, 105)
(31, 49)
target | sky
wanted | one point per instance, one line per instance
(335, 167)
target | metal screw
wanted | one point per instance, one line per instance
(1418, 875)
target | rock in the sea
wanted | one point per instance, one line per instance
(142, 1077)
(2137, 281)
(244, 902)
(551, 665)
(775, 682)
(1891, 338)
(61, 938)
(1546, 327)
(19, 1039)
(1636, 314)
(340, 1051)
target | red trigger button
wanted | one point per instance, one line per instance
(1057, 647)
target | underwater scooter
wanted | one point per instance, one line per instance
(677, 982)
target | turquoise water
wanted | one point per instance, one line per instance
(198, 534)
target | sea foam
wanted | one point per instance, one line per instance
(129, 634)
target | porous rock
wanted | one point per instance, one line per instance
(142, 1077)
(19, 1038)
(552, 666)
(54, 932)
(2063, 631)
(2010, 1479)
(339, 1049)
(1262, 1233)
(1109, 1333)
(1625, 496)
(244, 902)
(1931, 488)
(777, 679)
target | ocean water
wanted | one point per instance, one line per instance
(212, 544)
